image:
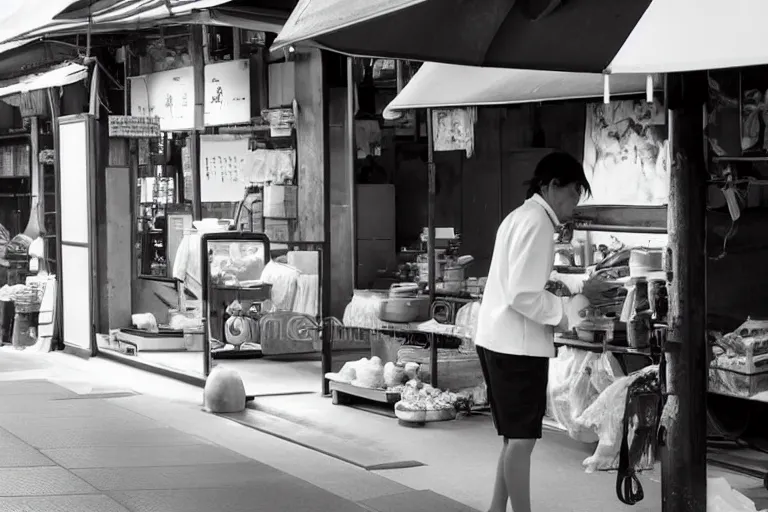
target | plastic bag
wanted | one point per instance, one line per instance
(393, 375)
(145, 322)
(570, 391)
(37, 248)
(605, 371)
(721, 497)
(369, 373)
(605, 416)
(181, 260)
(285, 281)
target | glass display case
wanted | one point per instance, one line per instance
(256, 301)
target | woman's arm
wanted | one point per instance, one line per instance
(530, 252)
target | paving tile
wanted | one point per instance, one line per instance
(127, 420)
(279, 495)
(41, 482)
(9, 440)
(34, 387)
(42, 407)
(89, 438)
(416, 501)
(21, 364)
(179, 477)
(22, 455)
(82, 503)
(142, 456)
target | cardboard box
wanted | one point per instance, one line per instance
(281, 201)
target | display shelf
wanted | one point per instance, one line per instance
(718, 159)
(573, 342)
(14, 136)
(759, 397)
(345, 393)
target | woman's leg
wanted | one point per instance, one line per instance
(500, 494)
(517, 472)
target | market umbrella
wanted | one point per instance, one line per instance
(627, 36)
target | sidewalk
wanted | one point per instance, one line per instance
(106, 433)
(77, 447)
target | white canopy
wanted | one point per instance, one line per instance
(58, 77)
(447, 85)
(689, 35)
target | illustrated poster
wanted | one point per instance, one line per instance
(626, 153)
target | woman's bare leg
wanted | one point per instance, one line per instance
(500, 494)
(517, 472)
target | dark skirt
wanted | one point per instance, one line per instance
(517, 392)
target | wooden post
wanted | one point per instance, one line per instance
(684, 429)
(236, 35)
(351, 157)
(311, 127)
(431, 200)
(37, 181)
(196, 52)
(53, 102)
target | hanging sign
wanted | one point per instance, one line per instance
(168, 95)
(222, 166)
(228, 93)
(134, 127)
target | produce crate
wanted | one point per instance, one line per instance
(728, 382)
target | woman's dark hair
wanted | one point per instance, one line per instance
(563, 168)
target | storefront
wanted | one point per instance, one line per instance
(483, 154)
(228, 218)
(30, 261)
(618, 248)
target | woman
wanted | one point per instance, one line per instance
(518, 317)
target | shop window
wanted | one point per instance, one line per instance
(159, 197)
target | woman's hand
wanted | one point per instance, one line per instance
(563, 326)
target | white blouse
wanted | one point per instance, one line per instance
(517, 314)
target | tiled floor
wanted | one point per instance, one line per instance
(97, 456)
(62, 454)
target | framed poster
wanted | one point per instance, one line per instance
(222, 168)
(228, 93)
(169, 95)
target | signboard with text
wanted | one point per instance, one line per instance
(169, 95)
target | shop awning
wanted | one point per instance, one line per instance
(20, 16)
(58, 77)
(124, 15)
(446, 85)
(613, 36)
(313, 18)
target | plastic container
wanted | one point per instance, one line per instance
(402, 310)
(193, 340)
(7, 314)
(454, 274)
(403, 290)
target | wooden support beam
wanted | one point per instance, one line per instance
(684, 423)
(196, 52)
(236, 36)
(37, 182)
(310, 145)
(431, 264)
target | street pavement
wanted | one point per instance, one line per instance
(79, 435)
(68, 444)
